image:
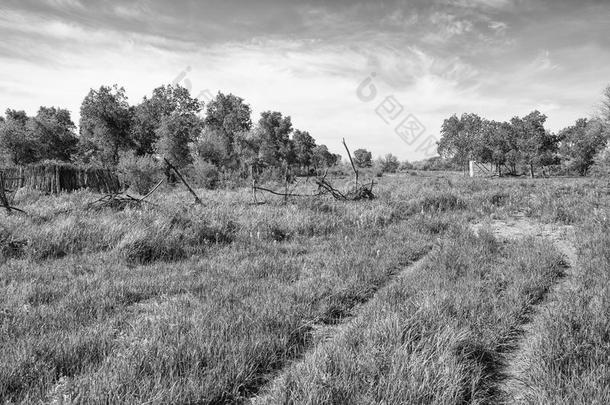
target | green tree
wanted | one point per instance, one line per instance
(322, 158)
(228, 115)
(273, 133)
(54, 133)
(304, 145)
(16, 142)
(581, 142)
(363, 158)
(537, 146)
(460, 137)
(175, 134)
(147, 115)
(105, 123)
(390, 164)
(212, 146)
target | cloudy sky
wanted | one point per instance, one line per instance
(311, 59)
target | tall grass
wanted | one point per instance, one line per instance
(438, 335)
(568, 362)
(175, 303)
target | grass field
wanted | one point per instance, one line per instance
(220, 303)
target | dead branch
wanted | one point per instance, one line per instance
(197, 199)
(152, 191)
(351, 161)
(117, 202)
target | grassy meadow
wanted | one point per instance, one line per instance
(220, 303)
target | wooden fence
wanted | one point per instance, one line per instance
(55, 178)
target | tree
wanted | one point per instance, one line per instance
(273, 134)
(581, 142)
(537, 146)
(494, 144)
(147, 115)
(459, 138)
(105, 123)
(363, 158)
(605, 110)
(175, 134)
(212, 146)
(390, 164)
(16, 141)
(304, 145)
(228, 115)
(322, 158)
(54, 133)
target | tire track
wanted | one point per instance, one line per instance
(322, 332)
(512, 387)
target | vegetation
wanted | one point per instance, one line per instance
(170, 124)
(525, 143)
(173, 303)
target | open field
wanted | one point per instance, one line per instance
(396, 300)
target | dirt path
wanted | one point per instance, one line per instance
(513, 387)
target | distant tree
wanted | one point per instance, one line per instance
(246, 146)
(581, 142)
(537, 146)
(54, 133)
(16, 142)
(228, 115)
(406, 165)
(105, 123)
(390, 164)
(304, 145)
(459, 137)
(322, 158)
(273, 135)
(363, 158)
(494, 144)
(147, 115)
(175, 134)
(212, 146)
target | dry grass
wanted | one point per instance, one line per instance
(205, 304)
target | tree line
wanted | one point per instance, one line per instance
(169, 124)
(523, 143)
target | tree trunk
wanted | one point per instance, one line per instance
(531, 171)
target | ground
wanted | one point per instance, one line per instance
(442, 290)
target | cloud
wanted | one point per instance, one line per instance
(498, 58)
(498, 26)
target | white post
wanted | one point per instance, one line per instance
(471, 165)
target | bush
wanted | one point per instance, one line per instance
(438, 203)
(204, 174)
(601, 163)
(139, 173)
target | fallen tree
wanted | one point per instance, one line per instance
(325, 187)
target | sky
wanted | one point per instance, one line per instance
(382, 74)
